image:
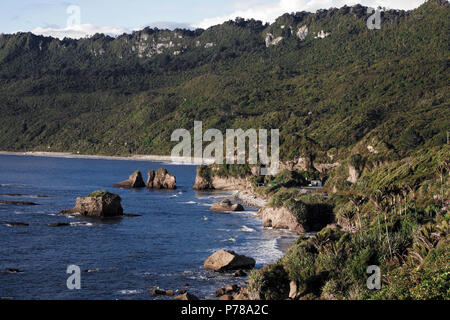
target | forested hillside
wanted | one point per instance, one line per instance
(324, 79)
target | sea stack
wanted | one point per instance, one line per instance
(134, 181)
(98, 204)
(162, 179)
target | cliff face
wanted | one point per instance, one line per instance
(280, 218)
(221, 183)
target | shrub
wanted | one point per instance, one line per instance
(269, 283)
(104, 195)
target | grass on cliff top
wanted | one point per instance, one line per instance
(104, 195)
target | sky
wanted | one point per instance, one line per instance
(80, 18)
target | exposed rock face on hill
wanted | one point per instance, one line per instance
(221, 183)
(134, 181)
(280, 218)
(99, 204)
(308, 217)
(162, 179)
(270, 41)
(302, 32)
(353, 174)
(226, 205)
(226, 260)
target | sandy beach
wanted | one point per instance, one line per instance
(155, 158)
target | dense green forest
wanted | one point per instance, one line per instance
(372, 105)
(127, 94)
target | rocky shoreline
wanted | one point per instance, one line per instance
(250, 199)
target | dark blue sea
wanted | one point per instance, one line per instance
(165, 247)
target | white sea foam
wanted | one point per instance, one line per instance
(130, 292)
(246, 229)
(82, 224)
(190, 202)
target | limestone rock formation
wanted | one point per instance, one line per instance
(99, 204)
(302, 32)
(162, 179)
(280, 218)
(134, 181)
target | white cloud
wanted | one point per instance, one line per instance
(269, 12)
(79, 31)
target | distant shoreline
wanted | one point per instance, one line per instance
(154, 158)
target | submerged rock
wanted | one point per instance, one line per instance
(227, 260)
(226, 205)
(162, 179)
(59, 224)
(14, 224)
(13, 270)
(99, 204)
(134, 181)
(19, 203)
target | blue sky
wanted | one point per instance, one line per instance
(50, 17)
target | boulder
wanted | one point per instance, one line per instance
(220, 292)
(158, 292)
(231, 288)
(226, 205)
(226, 260)
(134, 181)
(99, 204)
(162, 179)
(186, 296)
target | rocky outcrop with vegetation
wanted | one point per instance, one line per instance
(98, 204)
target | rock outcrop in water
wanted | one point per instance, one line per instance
(18, 203)
(226, 260)
(226, 205)
(99, 204)
(134, 181)
(162, 179)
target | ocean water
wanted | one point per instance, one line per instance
(165, 247)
